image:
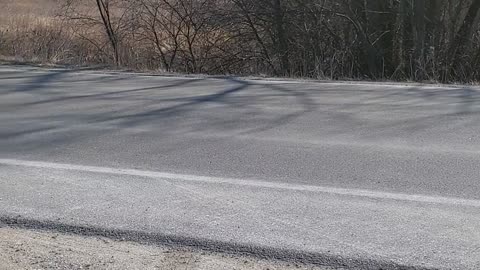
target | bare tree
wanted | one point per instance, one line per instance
(394, 39)
(105, 11)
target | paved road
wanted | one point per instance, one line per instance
(358, 175)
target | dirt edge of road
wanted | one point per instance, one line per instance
(34, 249)
(47, 245)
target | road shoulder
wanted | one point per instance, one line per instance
(35, 249)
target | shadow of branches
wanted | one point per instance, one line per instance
(226, 104)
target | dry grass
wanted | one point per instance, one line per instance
(31, 30)
(37, 9)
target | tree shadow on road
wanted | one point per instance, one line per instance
(160, 107)
(230, 105)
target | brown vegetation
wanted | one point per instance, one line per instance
(417, 40)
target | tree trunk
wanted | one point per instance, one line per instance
(104, 10)
(459, 47)
(398, 51)
(369, 52)
(418, 26)
(282, 47)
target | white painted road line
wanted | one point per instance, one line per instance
(246, 182)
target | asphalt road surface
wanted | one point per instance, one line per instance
(352, 175)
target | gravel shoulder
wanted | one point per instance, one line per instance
(29, 249)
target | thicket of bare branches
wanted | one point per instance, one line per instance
(418, 40)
